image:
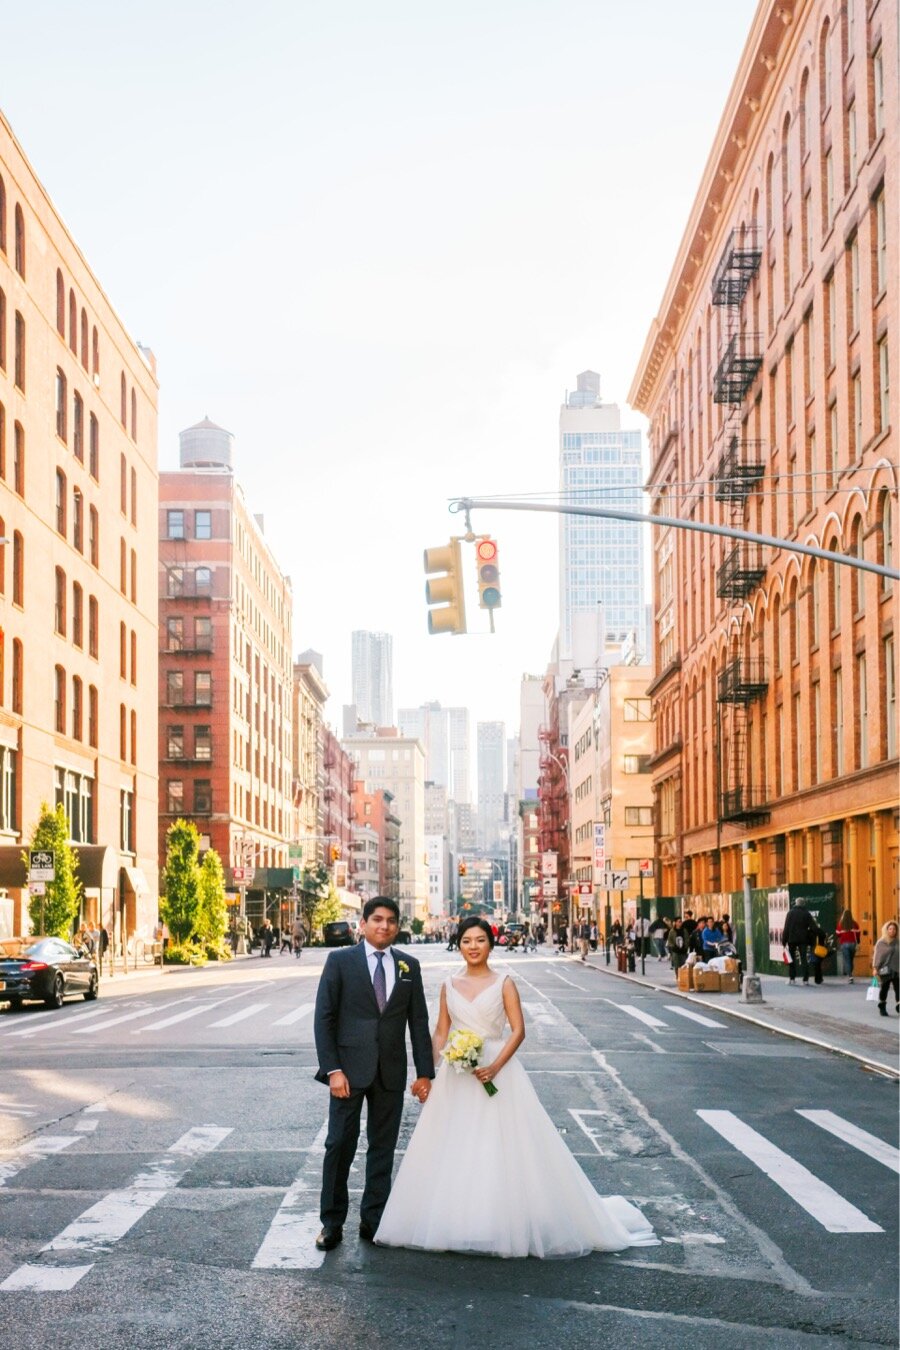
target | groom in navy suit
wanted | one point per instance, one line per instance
(367, 997)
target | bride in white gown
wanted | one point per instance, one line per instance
(531, 1197)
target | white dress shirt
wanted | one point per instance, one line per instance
(390, 970)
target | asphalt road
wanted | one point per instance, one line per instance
(160, 1153)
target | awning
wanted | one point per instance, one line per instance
(136, 880)
(98, 867)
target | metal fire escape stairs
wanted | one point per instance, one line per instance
(738, 474)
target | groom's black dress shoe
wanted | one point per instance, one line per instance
(329, 1238)
(366, 1232)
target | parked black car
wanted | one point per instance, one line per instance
(45, 969)
(338, 934)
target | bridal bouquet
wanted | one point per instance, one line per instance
(463, 1051)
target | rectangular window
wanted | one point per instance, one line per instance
(175, 581)
(828, 205)
(203, 634)
(78, 428)
(174, 634)
(175, 524)
(878, 89)
(637, 710)
(638, 815)
(799, 765)
(890, 697)
(93, 628)
(174, 687)
(126, 821)
(203, 525)
(94, 448)
(175, 797)
(202, 796)
(880, 245)
(636, 764)
(203, 688)
(838, 723)
(831, 320)
(862, 749)
(202, 742)
(815, 763)
(834, 438)
(851, 142)
(8, 785)
(175, 743)
(853, 277)
(884, 385)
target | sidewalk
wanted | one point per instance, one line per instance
(834, 1015)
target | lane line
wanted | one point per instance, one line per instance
(639, 1013)
(295, 1016)
(34, 1151)
(240, 1015)
(62, 1024)
(128, 1017)
(695, 1017)
(103, 1224)
(851, 1134)
(289, 1243)
(832, 1211)
(188, 1012)
(581, 989)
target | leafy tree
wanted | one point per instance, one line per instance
(314, 885)
(328, 908)
(417, 926)
(180, 904)
(55, 912)
(212, 911)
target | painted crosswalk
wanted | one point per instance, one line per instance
(639, 1015)
(857, 1138)
(150, 1018)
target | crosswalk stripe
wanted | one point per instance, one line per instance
(103, 1224)
(832, 1211)
(240, 1015)
(183, 1016)
(61, 1023)
(289, 1243)
(295, 1015)
(639, 1013)
(126, 1017)
(695, 1017)
(34, 1151)
(851, 1134)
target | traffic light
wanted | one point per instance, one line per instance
(335, 852)
(462, 869)
(445, 591)
(488, 574)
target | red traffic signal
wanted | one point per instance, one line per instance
(486, 556)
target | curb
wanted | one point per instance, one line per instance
(870, 1063)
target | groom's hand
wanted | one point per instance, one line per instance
(421, 1088)
(339, 1084)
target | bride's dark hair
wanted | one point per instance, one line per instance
(474, 921)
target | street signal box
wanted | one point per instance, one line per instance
(486, 555)
(445, 591)
(335, 852)
(462, 869)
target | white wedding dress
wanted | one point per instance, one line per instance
(492, 1174)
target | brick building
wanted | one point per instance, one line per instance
(225, 670)
(308, 750)
(767, 381)
(78, 614)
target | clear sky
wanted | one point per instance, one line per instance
(377, 241)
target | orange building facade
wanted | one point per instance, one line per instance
(78, 623)
(770, 379)
(225, 672)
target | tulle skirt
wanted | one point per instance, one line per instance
(492, 1175)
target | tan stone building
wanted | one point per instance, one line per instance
(770, 380)
(78, 625)
(388, 760)
(310, 697)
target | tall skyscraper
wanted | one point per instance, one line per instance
(372, 671)
(491, 782)
(600, 561)
(444, 732)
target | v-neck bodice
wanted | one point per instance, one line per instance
(484, 1014)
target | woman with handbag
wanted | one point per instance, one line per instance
(886, 965)
(847, 934)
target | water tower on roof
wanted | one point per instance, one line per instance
(206, 446)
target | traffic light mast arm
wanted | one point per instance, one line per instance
(468, 504)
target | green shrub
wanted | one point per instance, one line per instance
(184, 954)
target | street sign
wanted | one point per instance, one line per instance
(581, 888)
(599, 848)
(613, 881)
(240, 875)
(498, 892)
(37, 888)
(548, 889)
(548, 864)
(646, 867)
(40, 864)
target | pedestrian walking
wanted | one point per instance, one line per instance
(886, 965)
(266, 938)
(659, 932)
(677, 944)
(451, 937)
(847, 934)
(798, 935)
(297, 936)
(562, 938)
(595, 937)
(584, 938)
(287, 940)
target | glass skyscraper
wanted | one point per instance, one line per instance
(600, 561)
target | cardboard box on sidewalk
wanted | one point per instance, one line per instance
(707, 981)
(729, 983)
(731, 964)
(685, 978)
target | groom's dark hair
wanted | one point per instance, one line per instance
(380, 902)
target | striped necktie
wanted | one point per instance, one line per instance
(379, 982)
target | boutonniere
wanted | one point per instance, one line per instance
(403, 967)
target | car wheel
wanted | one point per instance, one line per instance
(55, 998)
(92, 990)
(15, 1005)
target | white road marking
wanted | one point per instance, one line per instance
(581, 989)
(290, 1242)
(127, 1017)
(187, 1012)
(62, 1023)
(295, 1015)
(103, 1224)
(867, 1143)
(34, 1151)
(639, 1036)
(639, 1013)
(832, 1211)
(87, 1126)
(98, 1106)
(695, 1017)
(240, 1015)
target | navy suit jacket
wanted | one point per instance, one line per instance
(351, 1034)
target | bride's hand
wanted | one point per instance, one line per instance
(486, 1075)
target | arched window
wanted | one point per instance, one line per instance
(93, 628)
(60, 304)
(19, 373)
(2, 441)
(825, 68)
(123, 651)
(785, 163)
(814, 606)
(93, 711)
(776, 635)
(19, 458)
(123, 567)
(77, 708)
(123, 485)
(78, 427)
(62, 403)
(123, 401)
(59, 608)
(2, 558)
(123, 732)
(2, 216)
(84, 339)
(95, 356)
(133, 415)
(73, 322)
(94, 449)
(133, 737)
(60, 502)
(793, 626)
(805, 125)
(858, 547)
(20, 242)
(77, 614)
(770, 194)
(59, 700)
(78, 519)
(2, 329)
(94, 537)
(887, 538)
(133, 577)
(133, 657)
(17, 670)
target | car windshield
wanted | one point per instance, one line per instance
(12, 949)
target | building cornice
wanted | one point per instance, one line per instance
(772, 24)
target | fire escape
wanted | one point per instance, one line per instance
(739, 473)
(553, 802)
